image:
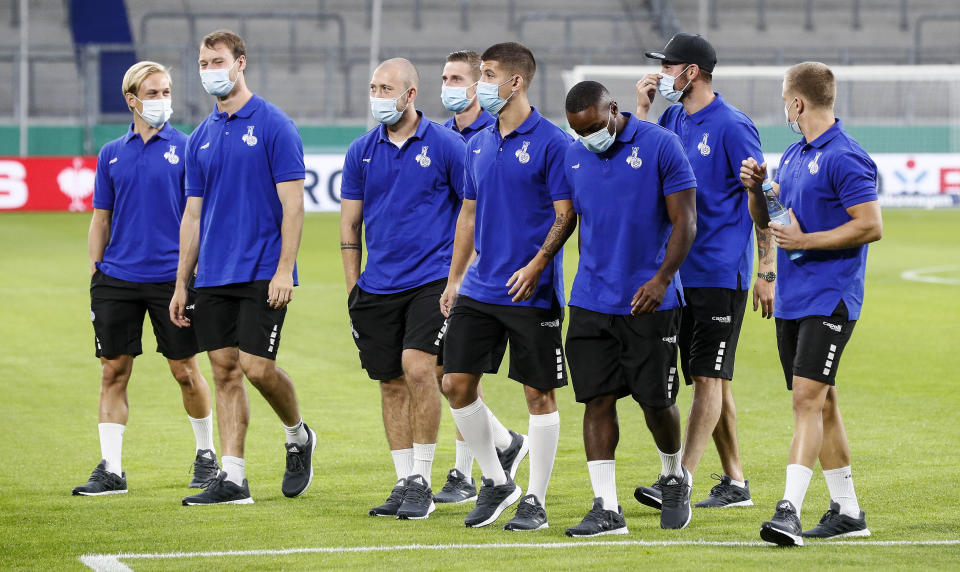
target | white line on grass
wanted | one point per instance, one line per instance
(923, 275)
(111, 562)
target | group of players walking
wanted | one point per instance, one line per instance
(464, 225)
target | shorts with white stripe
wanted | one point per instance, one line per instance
(811, 346)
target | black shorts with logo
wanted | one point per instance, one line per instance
(473, 342)
(384, 325)
(811, 346)
(117, 308)
(709, 329)
(624, 355)
(238, 315)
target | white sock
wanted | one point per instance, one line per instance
(203, 431)
(603, 477)
(111, 445)
(234, 467)
(740, 484)
(297, 434)
(840, 485)
(670, 463)
(501, 436)
(402, 462)
(544, 434)
(464, 462)
(798, 479)
(423, 460)
(474, 424)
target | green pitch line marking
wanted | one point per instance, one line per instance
(929, 275)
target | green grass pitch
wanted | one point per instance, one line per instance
(898, 389)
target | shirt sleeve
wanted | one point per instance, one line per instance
(193, 175)
(676, 174)
(286, 154)
(469, 186)
(456, 153)
(103, 192)
(855, 179)
(556, 177)
(776, 175)
(351, 181)
(740, 142)
(567, 166)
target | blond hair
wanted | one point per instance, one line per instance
(814, 82)
(139, 72)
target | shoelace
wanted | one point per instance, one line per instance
(204, 465)
(396, 496)
(295, 461)
(783, 514)
(596, 514)
(719, 488)
(100, 475)
(671, 494)
(451, 485)
(526, 510)
(487, 494)
(415, 494)
(829, 516)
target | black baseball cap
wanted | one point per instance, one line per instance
(690, 49)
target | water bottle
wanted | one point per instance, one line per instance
(778, 213)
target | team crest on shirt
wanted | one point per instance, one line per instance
(250, 139)
(171, 155)
(422, 157)
(703, 147)
(634, 160)
(522, 154)
(814, 166)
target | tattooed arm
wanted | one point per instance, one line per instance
(523, 283)
(763, 291)
(351, 248)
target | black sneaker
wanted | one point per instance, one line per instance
(492, 500)
(417, 501)
(514, 453)
(530, 516)
(725, 494)
(458, 488)
(205, 469)
(221, 491)
(299, 473)
(102, 482)
(599, 522)
(676, 500)
(651, 496)
(833, 524)
(392, 504)
(784, 528)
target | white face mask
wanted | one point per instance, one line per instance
(455, 98)
(488, 94)
(795, 124)
(384, 109)
(217, 82)
(155, 112)
(601, 140)
(666, 86)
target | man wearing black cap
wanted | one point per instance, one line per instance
(716, 274)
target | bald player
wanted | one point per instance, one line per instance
(403, 182)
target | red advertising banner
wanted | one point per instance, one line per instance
(47, 183)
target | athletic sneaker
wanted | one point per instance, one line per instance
(676, 500)
(205, 469)
(299, 473)
(458, 488)
(417, 502)
(514, 453)
(651, 496)
(834, 524)
(599, 522)
(393, 502)
(530, 516)
(221, 491)
(492, 501)
(102, 482)
(784, 528)
(725, 494)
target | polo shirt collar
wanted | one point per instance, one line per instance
(827, 136)
(164, 132)
(421, 129)
(711, 108)
(630, 129)
(246, 111)
(480, 122)
(528, 124)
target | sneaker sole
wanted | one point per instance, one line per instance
(541, 527)
(647, 500)
(457, 501)
(393, 514)
(747, 502)
(524, 449)
(430, 510)
(780, 537)
(313, 437)
(514, 497)
(86, 494)
(852, 534)
(604, 533)
(247, 500)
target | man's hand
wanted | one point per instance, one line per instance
(448, 298)
(524, 282)
(280, 291)
(648, 297)
(646, 90)
(763, 293)
(752, 175)
(178, 306)
(789, 237)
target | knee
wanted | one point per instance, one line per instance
(449, 386)
(805, 402)
(707, 387)
(393, 390)
(602, 406)
(226, 376)
(660, 414)
(257, 370)
(185, 373)
(540, 402)
(115, 374)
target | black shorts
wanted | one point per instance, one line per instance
(624, 355)
(709, 329)
(384, 325)
(475, 333)
(117, 308)
(238, 315)
(811, 346)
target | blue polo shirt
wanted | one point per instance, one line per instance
(142, 183)
(820, 180)
(624, 225)
(234, 163)
(411, 197)
(716, 139)
(515, 180)
(484, 120)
